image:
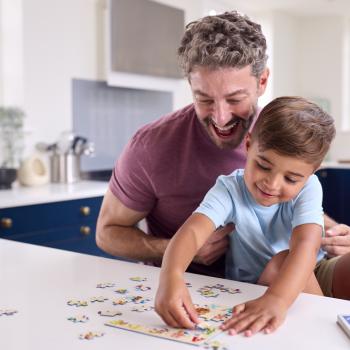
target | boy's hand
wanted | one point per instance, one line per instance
(174, 305)
(263, 314)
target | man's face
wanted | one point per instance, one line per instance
(225, 101)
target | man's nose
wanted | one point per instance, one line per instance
(222, 114)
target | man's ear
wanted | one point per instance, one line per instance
(264, 77)
(248, 141)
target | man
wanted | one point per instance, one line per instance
(170, 164)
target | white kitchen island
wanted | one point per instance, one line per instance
(38, 282)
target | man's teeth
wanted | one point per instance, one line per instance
(226, 128)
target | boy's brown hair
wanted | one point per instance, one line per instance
(295, 127)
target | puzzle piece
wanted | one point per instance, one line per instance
(7, 312)
(105, 285)
(195, 337)
(99, 299)
(138, 279)
(214, 345)
(208, 292)
(77, 303)
(110, 313)
(142, 308)
(121, 291)
(121, 301)
(213, 312)
(139, 300)
(79, 318)
(90, 335)
(142, 287)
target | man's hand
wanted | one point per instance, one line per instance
(174, 305)
(215, 246)
(337, 240)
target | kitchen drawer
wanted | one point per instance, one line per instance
(45, 217)
(70, 238)
(81, 232)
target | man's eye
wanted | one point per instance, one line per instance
(233, 102)
(262, 167)
(205, 102)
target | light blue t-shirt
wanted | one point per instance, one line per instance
(260, 232)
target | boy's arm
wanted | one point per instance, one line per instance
(299, 264)
(268, 312)
(173, 302)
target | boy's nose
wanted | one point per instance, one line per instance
(272, 182)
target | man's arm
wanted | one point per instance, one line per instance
(337, 237)
(117, 234)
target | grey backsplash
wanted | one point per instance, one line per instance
(109, 116)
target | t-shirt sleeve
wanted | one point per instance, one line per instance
(308, 204)
(217, 204)
(131, 178)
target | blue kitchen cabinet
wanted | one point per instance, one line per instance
(68, 225)
(336, 193)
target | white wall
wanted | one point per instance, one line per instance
(62, 40)
(320, 67)
(65, 39)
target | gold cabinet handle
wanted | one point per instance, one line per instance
(6, 222)
(85, 230)
(85, 211)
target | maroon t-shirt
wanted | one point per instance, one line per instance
(167, 168)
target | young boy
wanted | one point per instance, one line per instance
(276, 207)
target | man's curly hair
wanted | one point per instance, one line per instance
(228, 40)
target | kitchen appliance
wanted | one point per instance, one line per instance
(64, 168)
(65, 157)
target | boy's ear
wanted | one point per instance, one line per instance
(248, 141)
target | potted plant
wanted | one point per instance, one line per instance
(11, 144)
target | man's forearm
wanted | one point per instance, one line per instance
(132, 243)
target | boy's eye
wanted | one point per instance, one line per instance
(262, 167)
(291, 181)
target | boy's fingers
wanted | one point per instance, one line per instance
(236, 317)
(271, 327)
(238, 309)
(169, 319)
(191, 311)
(243, 324)
(182, 318)
(257, 326)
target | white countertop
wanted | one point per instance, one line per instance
(39, 281)
(20, 196)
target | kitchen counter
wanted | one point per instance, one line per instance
(20, 196)
(38, 282)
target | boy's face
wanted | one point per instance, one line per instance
(273, 178)
(225, 101)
